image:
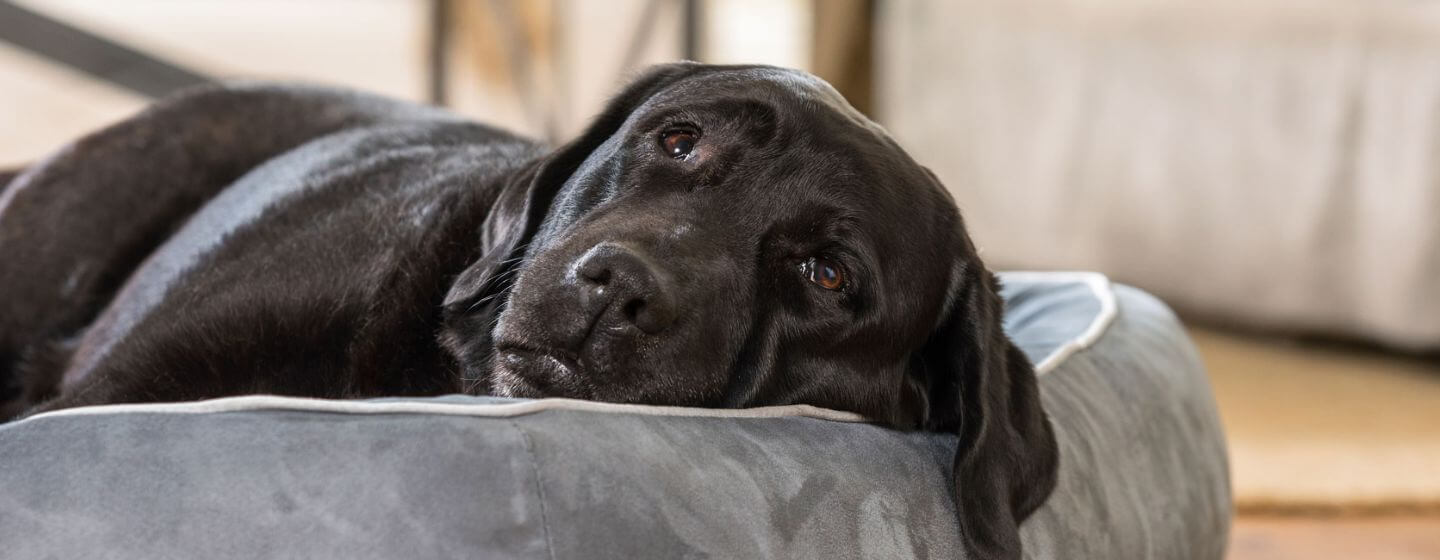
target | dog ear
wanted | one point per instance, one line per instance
(983, 387)
(476, 296)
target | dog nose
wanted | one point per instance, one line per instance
(621, 287)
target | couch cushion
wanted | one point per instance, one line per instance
(1267, 164)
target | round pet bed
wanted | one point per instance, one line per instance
(1143, 467)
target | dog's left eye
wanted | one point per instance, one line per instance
(824, 272)
(679, 142)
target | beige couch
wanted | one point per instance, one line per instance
(1275, 165)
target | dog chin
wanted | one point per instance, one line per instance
(534, 375)
(506, 384)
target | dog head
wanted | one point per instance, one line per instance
(741, 236)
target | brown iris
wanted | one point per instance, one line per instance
(679, 142)
(824, 273)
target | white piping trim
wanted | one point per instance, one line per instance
(1097, 282)
(500, 410)
(1104, 293)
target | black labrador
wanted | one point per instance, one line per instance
(720, 236)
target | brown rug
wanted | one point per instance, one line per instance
(1335, 538)
(1323, 428)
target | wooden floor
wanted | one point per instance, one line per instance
(1289, 538)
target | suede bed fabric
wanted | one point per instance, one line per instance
(1143, 469)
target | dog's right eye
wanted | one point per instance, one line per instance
(679, 142)
(824, 272)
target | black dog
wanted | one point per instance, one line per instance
(719, 237)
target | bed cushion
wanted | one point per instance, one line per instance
(1143, 469)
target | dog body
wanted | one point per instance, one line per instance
(315, 273)
(719, 236)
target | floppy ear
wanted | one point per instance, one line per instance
(476, 296)
(984, 388)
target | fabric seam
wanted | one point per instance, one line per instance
(491, 410)
(539, 486)
(1104, 293)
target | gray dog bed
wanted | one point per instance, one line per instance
(1143, 467)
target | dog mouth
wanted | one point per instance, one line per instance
(530, 372)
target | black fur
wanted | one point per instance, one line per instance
(311, 242)
(7, 175)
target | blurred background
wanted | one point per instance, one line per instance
(1271, 169)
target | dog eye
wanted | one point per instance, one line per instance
(678, 142)
(824, 273)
